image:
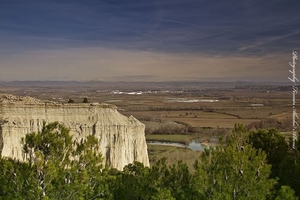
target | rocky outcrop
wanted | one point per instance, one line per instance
(122, 139)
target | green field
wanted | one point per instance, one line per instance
(184, 139)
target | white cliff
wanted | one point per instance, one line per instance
(122, 139)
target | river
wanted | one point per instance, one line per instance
(193, 145)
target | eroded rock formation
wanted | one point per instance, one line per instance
(122, 139)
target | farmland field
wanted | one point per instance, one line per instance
(177, 111)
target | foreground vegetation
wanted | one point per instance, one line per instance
(256, 165)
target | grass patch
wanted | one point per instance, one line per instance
(288, 135)
(214, 123)
(171, 138)
(173, 154)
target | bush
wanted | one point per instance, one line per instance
(71, 101)
(85, 100)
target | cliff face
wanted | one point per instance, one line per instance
(122, 139)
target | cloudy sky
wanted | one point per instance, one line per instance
(155, 40)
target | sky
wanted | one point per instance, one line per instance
(148, 40)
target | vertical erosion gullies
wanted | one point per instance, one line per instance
(1, 139)
(122, 139)
(1, 136)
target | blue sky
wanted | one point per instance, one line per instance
(156, 40)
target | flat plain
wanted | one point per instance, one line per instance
(177, 111)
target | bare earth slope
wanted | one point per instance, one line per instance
(122, 139)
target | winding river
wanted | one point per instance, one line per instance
(193, 144)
